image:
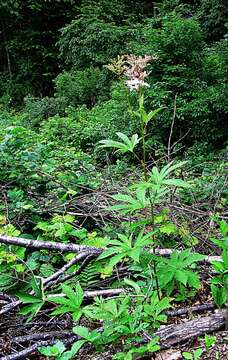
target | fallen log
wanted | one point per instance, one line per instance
(174, 334)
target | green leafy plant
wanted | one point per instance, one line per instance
(127, 145)
(34, 302)
(71, 302)
(54, 351)
(154, 310)
(127, 247)
(209, 341)
(219, 283)
(151, 347)
(58, 352)
(193, 356)
(177, 271)
(87, 336)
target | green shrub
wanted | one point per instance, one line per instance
(39, 109)
(196, 76)
(81, 86)
(212, 15)
(89, 40)
(83, 127)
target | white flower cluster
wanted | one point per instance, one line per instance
(135, 71)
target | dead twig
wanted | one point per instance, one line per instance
(42, 336)
(56, 277)
(167, 252)
(171, 129)
(191, 309)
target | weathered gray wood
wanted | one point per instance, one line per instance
(173, 334)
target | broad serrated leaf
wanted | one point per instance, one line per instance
(181, 276)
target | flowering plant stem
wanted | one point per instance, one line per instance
(145, 170)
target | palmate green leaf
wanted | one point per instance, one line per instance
(76, 314)
(114, 144)
(168, 228)
(189, 258)
(128, 144)
(115, 259)
(197, 353)
(144, 239)
(134, 254)
(59, 300)
(75, 297)
(165, 276)
(36, 284)
(225, 258)
(187, 355)
(123, 197)
(54, 350)
(79, 294)
(132, 142)
(161, 177)
(219, 295)
(124, 238)
(127, 240)
(133, 284)
(131, 203)
(61, 310)
(170, 167)
(164, 304)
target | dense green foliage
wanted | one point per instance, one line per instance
(40, 60)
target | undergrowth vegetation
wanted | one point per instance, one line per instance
(113, 186)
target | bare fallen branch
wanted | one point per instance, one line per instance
(42, 336)
(191, 309)
(92, 294)
(51, 280)
(37, 244)
(167, 252)
(57, 276)
(10, 307)
(31, 349)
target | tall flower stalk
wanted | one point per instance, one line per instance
(134, 69)
(156, 183)
(137, 74)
